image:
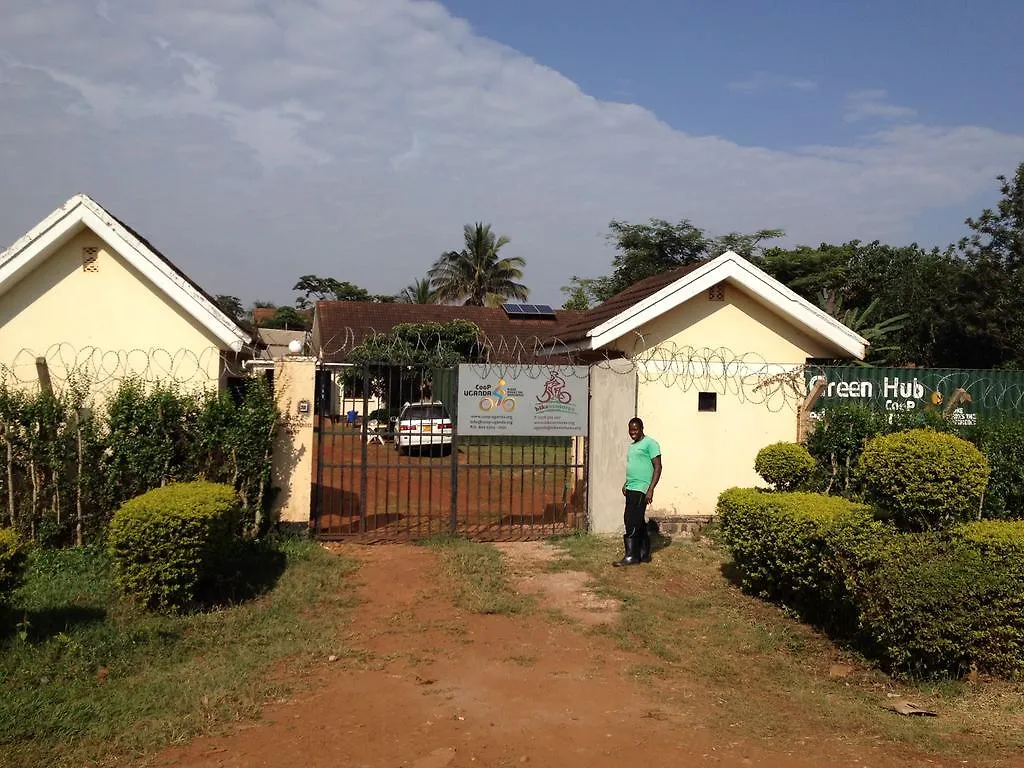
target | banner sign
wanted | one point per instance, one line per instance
(961, 394)
(514, 402)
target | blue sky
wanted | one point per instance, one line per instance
(777, 74)
(254, 143)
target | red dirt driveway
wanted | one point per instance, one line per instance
(429, 685)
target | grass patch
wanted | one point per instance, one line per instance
(88, 677)
(766, 675)
(477, 576)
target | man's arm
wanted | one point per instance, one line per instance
(656, 461)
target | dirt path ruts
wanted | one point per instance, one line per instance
(439, 687)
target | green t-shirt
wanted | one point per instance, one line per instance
(639, 466)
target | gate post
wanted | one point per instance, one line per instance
(613, 392)
(292, 469)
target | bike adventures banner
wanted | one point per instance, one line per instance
(522, 401)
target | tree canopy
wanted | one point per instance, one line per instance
(645, 250)
(477, 275)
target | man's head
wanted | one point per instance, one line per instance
(636, 429)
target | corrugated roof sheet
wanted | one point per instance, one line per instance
(576, 331)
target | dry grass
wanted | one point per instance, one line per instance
(762, 674)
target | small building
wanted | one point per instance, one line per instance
(711, 356)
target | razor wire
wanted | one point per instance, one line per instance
(747, 375)
(102, 368)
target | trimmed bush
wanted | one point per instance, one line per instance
(1000, 538)
(167, 544)
(784, 466)
(839, 437)
(924, 480)
(939, 604)
(783, 545)
(12, 563)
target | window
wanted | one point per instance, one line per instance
(707, 401)
(90, 254)
(424, 412)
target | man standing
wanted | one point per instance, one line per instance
(643, 471)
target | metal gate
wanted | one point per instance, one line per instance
(390, 464)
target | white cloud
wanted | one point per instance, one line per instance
(763, 81)
(872, 103)
(353, 138)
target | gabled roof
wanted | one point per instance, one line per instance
(338, 326)
(640, 303)
(81, 212)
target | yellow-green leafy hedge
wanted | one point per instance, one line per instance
(167, 544)
(784, 466)
(925, 480)
(927, 604)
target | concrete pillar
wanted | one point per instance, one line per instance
(294, 390)
(613, 392)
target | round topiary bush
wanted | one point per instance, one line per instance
(924, 480)
(167, 545)
(784, 466)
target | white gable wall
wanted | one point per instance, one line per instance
(108, 322)
(727, 348)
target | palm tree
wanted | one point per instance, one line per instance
(476, 275)
(862, 322)
(419, 292)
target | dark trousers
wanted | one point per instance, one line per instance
(636, 505)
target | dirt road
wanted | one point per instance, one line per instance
(432, 686)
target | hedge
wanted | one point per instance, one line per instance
(783, 545)
(784, 466)
(167, 544)
(925, 480)
(938, 604)
(925, 604)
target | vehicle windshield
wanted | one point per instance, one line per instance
(424, 413)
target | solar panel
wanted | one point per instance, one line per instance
(532, 310)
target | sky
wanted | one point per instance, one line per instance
(255, 142)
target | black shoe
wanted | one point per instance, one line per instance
(645, 546)
(632, 556)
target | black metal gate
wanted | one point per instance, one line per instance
(390, 464)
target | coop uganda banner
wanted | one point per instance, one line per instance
(534, 402)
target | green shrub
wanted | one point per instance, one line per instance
(937, 605)
(12, 563)
(784, 466)
(839, 437)
(924, 480)
(1002, 442)
(783, 545)
(1000, 538)
(167, 544)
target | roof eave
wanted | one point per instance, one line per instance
(731, 266)
(82, 210)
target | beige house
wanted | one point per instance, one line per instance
(711, 357)
(85, 294)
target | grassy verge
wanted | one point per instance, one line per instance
(759, 673)
(477, 576)
(88, 678)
